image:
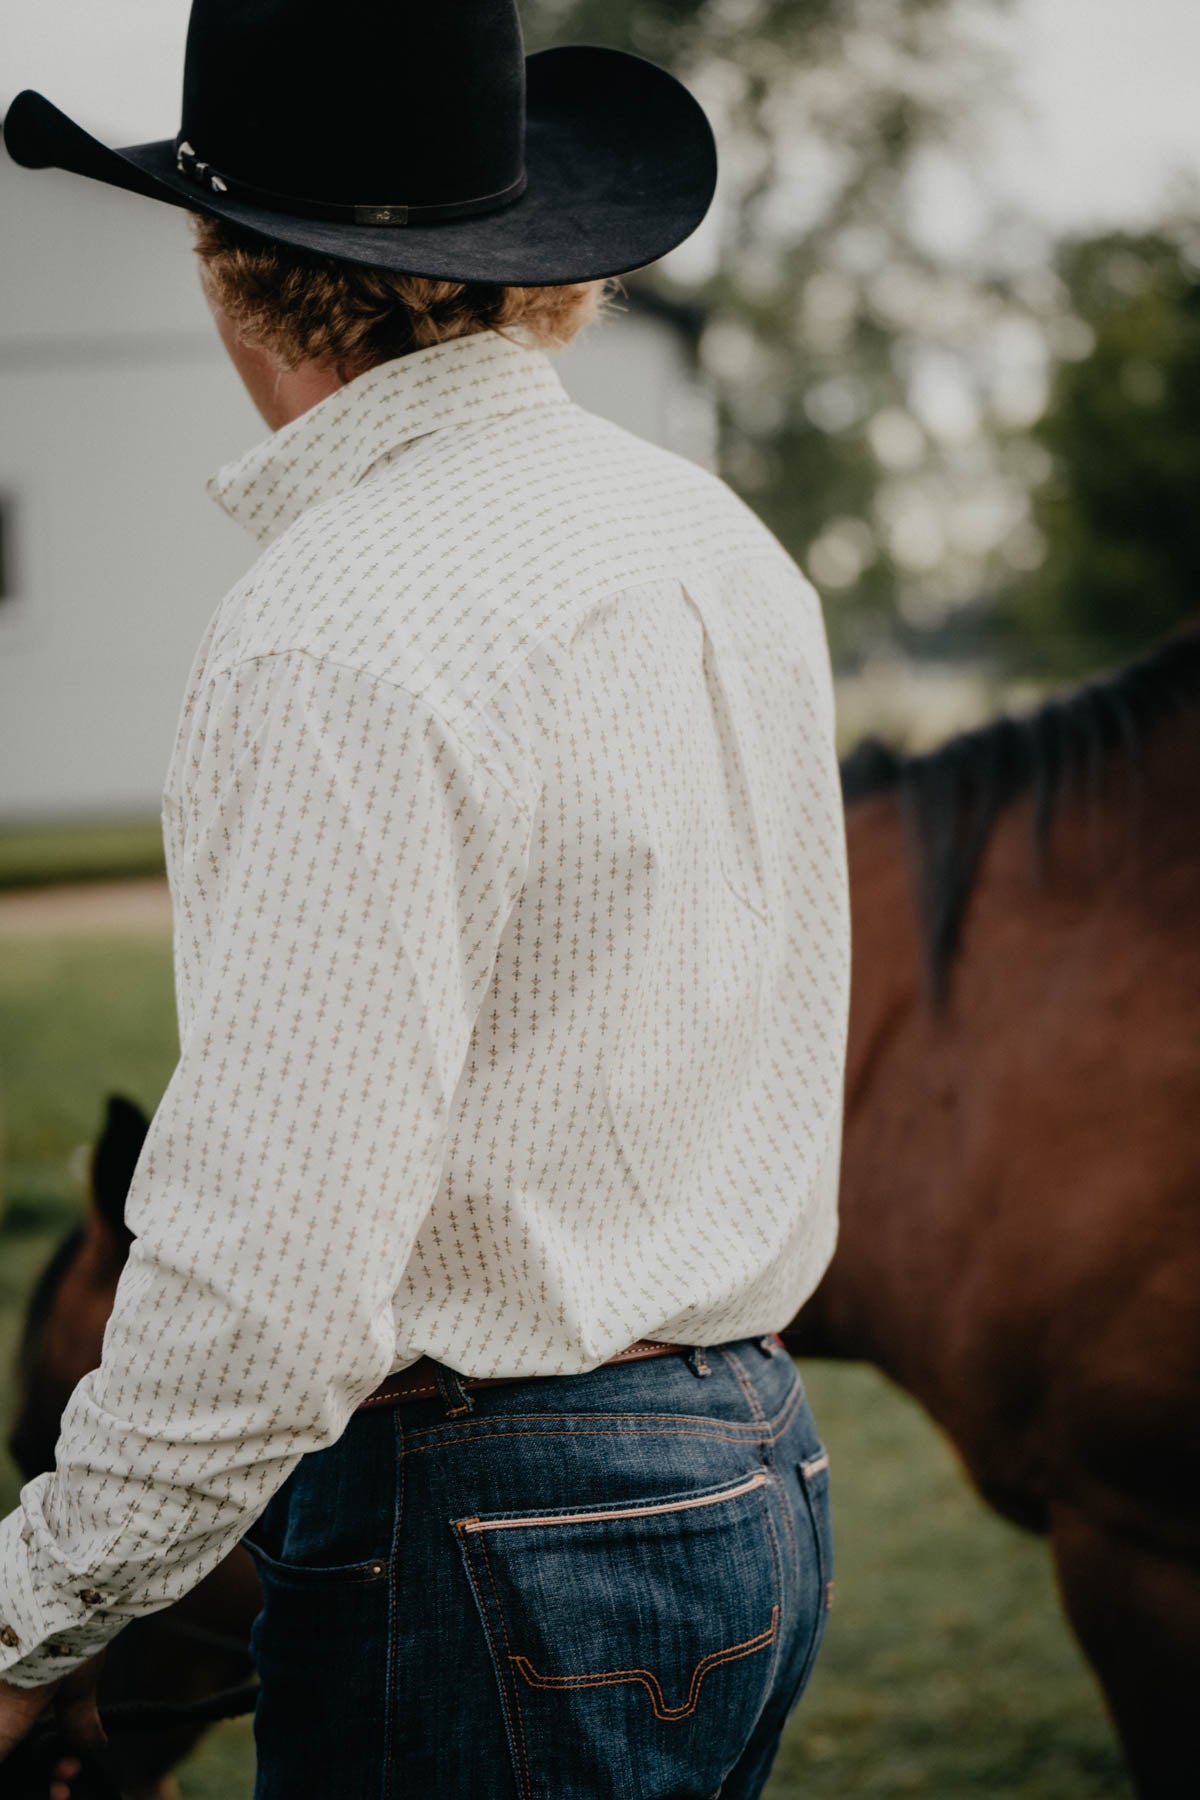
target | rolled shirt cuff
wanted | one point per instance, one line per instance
(52, 1618)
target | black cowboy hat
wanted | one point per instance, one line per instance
(413, 136)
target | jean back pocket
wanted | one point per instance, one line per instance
(633, 1642)
(816, 1593)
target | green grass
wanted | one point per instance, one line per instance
(947, 1670)
(84, 850)
(80, 1017)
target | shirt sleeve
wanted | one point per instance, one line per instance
(345, 868)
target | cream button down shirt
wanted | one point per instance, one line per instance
(507, 857)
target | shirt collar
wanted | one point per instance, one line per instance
(333, 445)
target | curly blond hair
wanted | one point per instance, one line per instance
(301, 306)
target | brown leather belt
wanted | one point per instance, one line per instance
(420, 1380)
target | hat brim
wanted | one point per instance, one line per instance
(621, 165)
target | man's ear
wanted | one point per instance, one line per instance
(113, 1162)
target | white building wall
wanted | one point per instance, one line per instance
(116, 403)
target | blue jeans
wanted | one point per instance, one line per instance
(609, 1586)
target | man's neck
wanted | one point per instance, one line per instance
(290, 392)
(280, 395)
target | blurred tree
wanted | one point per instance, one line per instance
(821, 294)
(1119, 507)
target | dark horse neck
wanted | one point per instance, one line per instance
(1025, 968)
(1019, 1242)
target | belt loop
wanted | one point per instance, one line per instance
(455, 1395)
(697, 1361)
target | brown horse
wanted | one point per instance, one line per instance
(1021, 1177)
(1020, 1206)
(199, 1646)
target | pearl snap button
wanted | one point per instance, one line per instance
(8, 1637)
(90, 1597)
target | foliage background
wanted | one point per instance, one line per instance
(985, 454)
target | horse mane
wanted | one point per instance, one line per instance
(952, 796)
(41, 1300)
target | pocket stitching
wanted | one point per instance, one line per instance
(776, 1428)
(635, 1510)
(375, 1568)
(713, 1659)
(780, 1588)
(510, 1705)
(809, 1469)
(524, 1754)
(649, 1680)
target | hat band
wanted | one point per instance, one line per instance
(205, 176)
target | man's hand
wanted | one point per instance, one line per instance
(73, 1700)
(20, 1710)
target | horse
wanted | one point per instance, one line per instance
(1020, 1175)
(199, 1645)
(1019, 1240)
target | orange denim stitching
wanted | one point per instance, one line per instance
(810, 1653)
(650, 1681)
(750, 1428)
(789, 1412)
(444, 1442)
(398, 1433)
(748, 1394)
(743, 1381)
(523, 1753)
(789, 1525)
(521, 1418)
(522, 1771)
(492, 1437)
(632, 1509)
(780, 1585)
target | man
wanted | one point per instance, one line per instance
(505, 844)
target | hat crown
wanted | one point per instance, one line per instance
(367, 101)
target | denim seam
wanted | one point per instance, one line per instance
(483, 1437)
(586, 1514)
(744, 1382)
(785, 1507)
(506, 1704)
(299, 1576)
(810, 1654)
(650, 1681)
(392, 1684)
(788, 1522)
(750, 1426)
(524, 1753)
(747, 1427)
(448, 1436)
(788, 1413)
(779, 1595)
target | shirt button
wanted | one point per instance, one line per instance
(8, 1637)
(90, 1597)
